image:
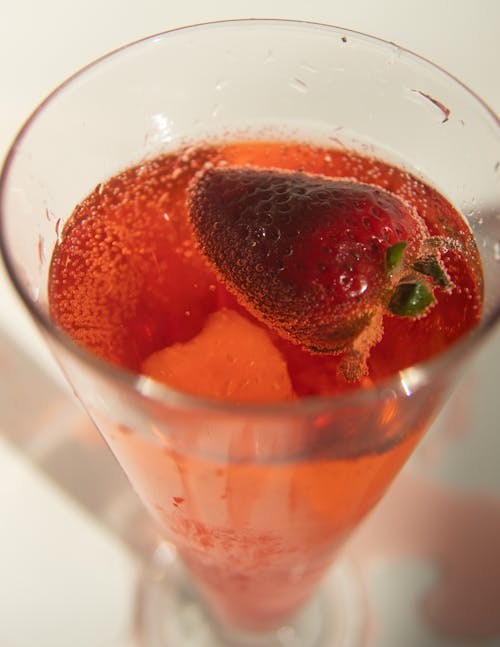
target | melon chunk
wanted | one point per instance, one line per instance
(230, 359)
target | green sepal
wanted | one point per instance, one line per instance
(410, 299)
(394, 255)
(430, 266)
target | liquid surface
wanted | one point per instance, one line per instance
(127, 279)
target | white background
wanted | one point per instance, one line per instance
(41, 43)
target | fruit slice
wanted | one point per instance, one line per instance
(230, 359)
(317, 259)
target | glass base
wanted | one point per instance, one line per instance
(170, 613)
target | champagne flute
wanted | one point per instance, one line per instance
(253, 505)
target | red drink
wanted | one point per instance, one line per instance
(128, 280)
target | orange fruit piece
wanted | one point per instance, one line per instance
(230, 359)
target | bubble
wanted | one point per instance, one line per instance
(273, 234)
(353, 286)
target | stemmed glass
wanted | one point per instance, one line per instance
(255, 500)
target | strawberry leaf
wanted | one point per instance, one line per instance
(394, 255)
(410, 299)
(430, 266)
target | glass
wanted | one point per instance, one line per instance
(256, 500)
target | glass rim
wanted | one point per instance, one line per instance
(409, 378)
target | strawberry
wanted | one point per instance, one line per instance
(319, 260)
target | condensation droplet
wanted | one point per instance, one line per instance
(309, 68)
(221, 84)
(496, 251)
(35, 293)
(299, 85)
(41, 250)
(58, 231)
